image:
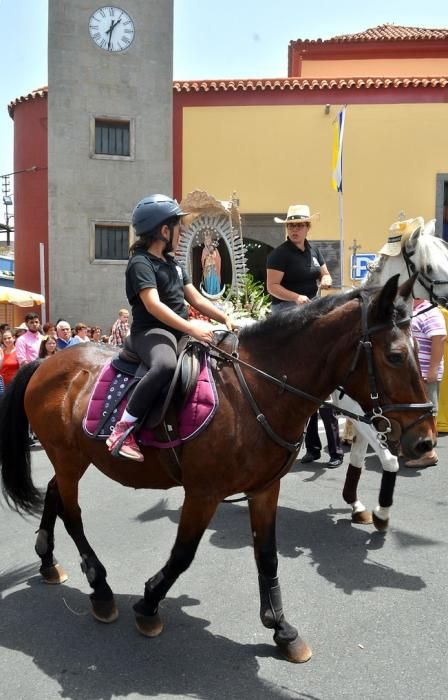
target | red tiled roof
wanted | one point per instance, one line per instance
(33, 95)
(265, 84)
(385, 32)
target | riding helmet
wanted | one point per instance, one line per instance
(153, 211)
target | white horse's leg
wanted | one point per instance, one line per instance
(389, 463)
(350, 491)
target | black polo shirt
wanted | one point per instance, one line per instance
(146, 271)
(301, 268)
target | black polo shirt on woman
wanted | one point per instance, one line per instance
(301, 268)
(146, 271)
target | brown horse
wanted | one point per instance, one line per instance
(312, 350)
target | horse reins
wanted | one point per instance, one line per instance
(378, 410)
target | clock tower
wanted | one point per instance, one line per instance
(109, 144)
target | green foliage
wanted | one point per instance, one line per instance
(250, 301)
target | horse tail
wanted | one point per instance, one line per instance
(17, 484)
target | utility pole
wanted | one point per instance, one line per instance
(7, 201)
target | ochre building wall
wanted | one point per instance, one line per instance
(277, 155)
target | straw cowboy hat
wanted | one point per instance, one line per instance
(297, 212)
(400, 231)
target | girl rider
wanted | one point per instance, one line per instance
(157, 288)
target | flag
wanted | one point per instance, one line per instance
(338, 137)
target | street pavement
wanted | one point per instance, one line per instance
(373, 607)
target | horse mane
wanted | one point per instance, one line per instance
(281, 326)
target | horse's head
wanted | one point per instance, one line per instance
(385, 377)
(427, 255)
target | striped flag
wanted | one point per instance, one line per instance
(338, 137)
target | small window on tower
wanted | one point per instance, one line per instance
(111, 242)
(112, 138)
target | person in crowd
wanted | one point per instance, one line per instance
(105, 339)
(20, 330)
(81, 333)
(49, 328)
(27, 346)
(429, 330)
(157, 288)
(295, 270)
(48, 347)
(120, 329)
(9, 364)
(64, 332)
(3, 327)
(95, 335)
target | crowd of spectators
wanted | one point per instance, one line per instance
(22, 344)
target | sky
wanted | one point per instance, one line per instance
(212, 39)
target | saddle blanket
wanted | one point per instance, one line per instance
(194, 417)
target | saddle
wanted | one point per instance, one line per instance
(185, 407)
(184, 380)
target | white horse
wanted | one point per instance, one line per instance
(427, 255)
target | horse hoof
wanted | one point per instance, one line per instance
(363, 517)
(104, 610)
(149, 625)
(53, 574)
(297, 652)
(380, 525)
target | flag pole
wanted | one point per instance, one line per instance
(341, 237)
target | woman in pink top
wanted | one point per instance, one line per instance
(9, 364)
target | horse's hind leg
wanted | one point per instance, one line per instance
(196, 515)
(102, 598)
(263, 511)
(50, 570)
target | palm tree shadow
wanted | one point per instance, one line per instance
(92, 661)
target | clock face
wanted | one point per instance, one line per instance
(111, 28)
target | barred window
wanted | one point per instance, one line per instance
(112, 138)
(111, 242)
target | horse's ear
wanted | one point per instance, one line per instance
(406, 288)
(430, 228)
(383, 304)
(415, 235)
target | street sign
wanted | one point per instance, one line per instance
(359, 265)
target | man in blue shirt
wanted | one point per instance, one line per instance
(64, 332)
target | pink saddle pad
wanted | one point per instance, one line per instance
(196, 414)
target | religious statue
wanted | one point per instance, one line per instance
(211, 265)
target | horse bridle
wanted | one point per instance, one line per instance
(376, 415)
(427, 283)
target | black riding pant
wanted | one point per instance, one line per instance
(157, 348)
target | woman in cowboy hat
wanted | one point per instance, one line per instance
(294, 271)
(295, 267)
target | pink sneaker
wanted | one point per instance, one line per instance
(129, 448)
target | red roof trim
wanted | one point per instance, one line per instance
(304, 84)
(34, 95)
(384, 32)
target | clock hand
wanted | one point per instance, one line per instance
(111, 29)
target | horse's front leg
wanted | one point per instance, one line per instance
(196, 515)
(263, 511)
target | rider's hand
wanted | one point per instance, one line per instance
(326, 282)
(302, 299)
(201, 330)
